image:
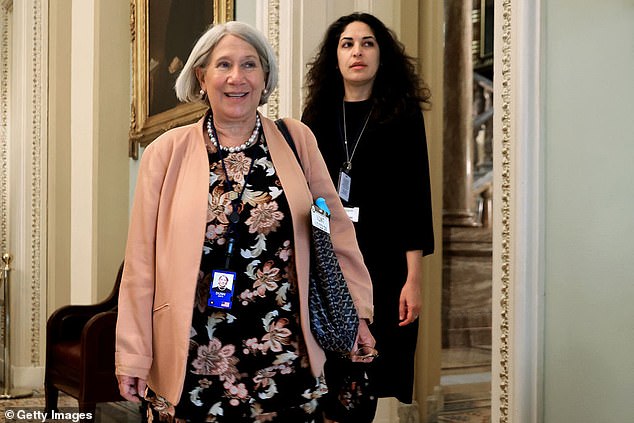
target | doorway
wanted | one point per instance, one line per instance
(467, 204)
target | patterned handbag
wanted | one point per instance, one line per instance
(333, 316)
(334, 320)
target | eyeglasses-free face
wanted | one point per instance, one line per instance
(233, 79)
(358, 56)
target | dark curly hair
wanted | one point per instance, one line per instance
(397, 86)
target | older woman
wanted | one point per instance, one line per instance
(226, 196)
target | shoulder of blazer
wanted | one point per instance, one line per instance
(178, 141)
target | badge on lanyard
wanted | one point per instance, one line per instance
(221, 289)
(320, 218)
(344, 185)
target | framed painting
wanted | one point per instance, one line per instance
(163, 33)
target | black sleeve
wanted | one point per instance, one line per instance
(420, 233)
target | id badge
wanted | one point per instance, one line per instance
(344, 185)
(319, 219)
(221, 289)
(353, 213)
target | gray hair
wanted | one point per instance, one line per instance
(187, 85)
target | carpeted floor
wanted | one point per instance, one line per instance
(115, 412)
(465, 408)
(456, 411)
(467, 416)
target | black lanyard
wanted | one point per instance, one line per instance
(231, 235)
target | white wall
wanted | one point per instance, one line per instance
(246, 11)
(589, 268)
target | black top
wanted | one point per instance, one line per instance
(390, 185)
(247, 357)
(390, 175)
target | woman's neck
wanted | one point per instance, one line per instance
(357, 93)
(233, 133)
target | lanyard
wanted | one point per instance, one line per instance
(347, 165)
(231, 234)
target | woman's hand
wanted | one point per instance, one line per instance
(131, 388)
(411, 299)
(363, 350)
(410, 303)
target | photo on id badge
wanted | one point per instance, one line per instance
(221, 289)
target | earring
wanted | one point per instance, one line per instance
(202, 92)
(265, 91)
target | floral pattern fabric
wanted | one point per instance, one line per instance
(248, 363)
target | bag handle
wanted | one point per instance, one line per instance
(281, 125)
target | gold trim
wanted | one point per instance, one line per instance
(273, 105)
(506, 213)
(4, 111)
(225, 9)
(36, 174)
(143, 127)
(36, 182)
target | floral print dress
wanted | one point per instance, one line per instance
(248, 363)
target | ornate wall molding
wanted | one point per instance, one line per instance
(5, 36)
(273, 32)
(22, 168)
(504, 224)
(36, 179)
(517, 368)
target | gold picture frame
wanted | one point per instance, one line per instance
(157, 57)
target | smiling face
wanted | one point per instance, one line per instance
(233, 79)
(222, 281)
(358, 56)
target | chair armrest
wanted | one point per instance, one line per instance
(97, 369)
(67, 322)
(98, 342)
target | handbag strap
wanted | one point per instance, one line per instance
(281, 125)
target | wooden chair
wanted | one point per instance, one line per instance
(80, 345)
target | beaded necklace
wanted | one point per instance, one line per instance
(231, 234)
(214, 141)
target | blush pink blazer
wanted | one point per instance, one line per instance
(165, 241)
